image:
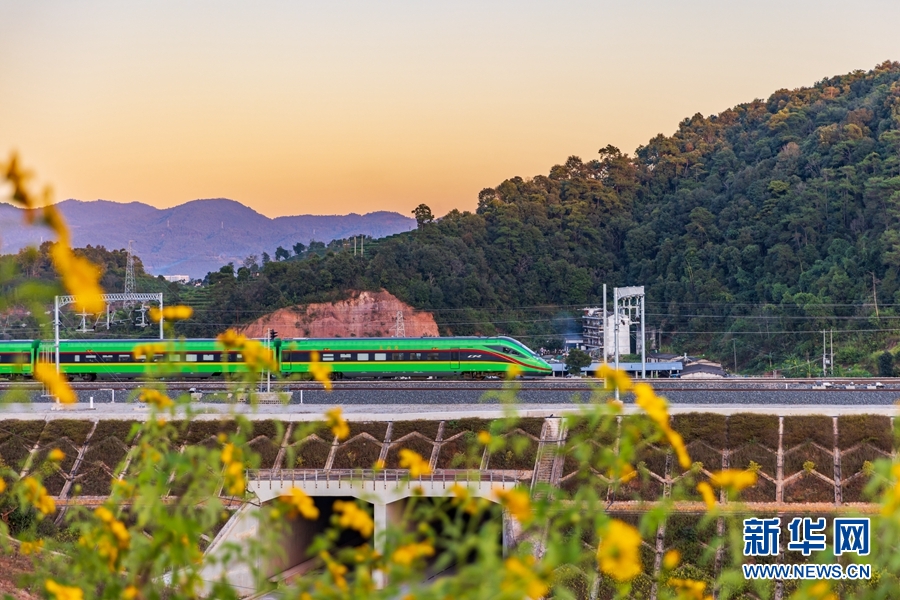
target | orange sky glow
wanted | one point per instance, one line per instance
(331, 108)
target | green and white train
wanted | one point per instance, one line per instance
(373, 358)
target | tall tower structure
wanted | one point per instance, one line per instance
(399, 328)
(129, 277)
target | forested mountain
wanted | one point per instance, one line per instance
(753, 230)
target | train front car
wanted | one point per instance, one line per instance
(420, 358)
(526, 359)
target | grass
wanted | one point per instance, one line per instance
(811, 428)
(456, 426)
(360, 453)
(377, 429)
(808, 488)
(201, 431)
(870, 429)
(27, 431)
(746, 428)
(520, 453)
(764, 457)
(428, 429)
(73, 429)
(460, 453)
(798, 455)
(415, 443)
(699, 452)
(94, 479)
(710, 428)
(267, 450)
(311, 454)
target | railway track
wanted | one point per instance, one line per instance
(531, 385)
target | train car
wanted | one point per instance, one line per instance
(474, 357)
(17, 358)
(89, 360)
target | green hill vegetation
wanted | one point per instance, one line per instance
(753, 230)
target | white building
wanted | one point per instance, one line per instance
(599, 334)
(178, 278)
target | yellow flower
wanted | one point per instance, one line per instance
(80, 277)
(709, 496)
(257, 357)
(2, 485)
(232, 459)
(156, 398)
(321, 372)
(55, 382)
(822, 591)
(63, 592)
(336, 422)
(653, 405)
(171, 313)
(619, 552)
(614, 379)
(337, 570)
(517, 502)
(671, 559)
(149, 350)
(688, 589)
(484, 438)
(130, 593)
(406, 555)
(379, 465)
(300, 502)
(624, 473)
(56, 455)
(657, 409)
(34, 547)
(353, 517)
(231, 339)
(513, 370)
(521, 574)
(417, 465)
(733, 479)
(36, 494)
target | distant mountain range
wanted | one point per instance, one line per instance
(195, 237)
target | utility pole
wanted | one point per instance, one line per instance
(734, 347)
(831, 336)
(874, 295)
(605, 325)
(129, 277)
(824, 356)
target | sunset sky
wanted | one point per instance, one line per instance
(336, 107)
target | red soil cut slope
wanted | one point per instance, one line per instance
(366, 314)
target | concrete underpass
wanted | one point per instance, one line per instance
(387, 493)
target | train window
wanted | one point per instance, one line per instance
(124, 358)
(158, 357)
(380, 356)
(434, 356)
(90, 358)
(190, 357)
(415, 356)
(362, 356)
(327, 357)
(77, 358)
(399, 355)
(209, 357)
